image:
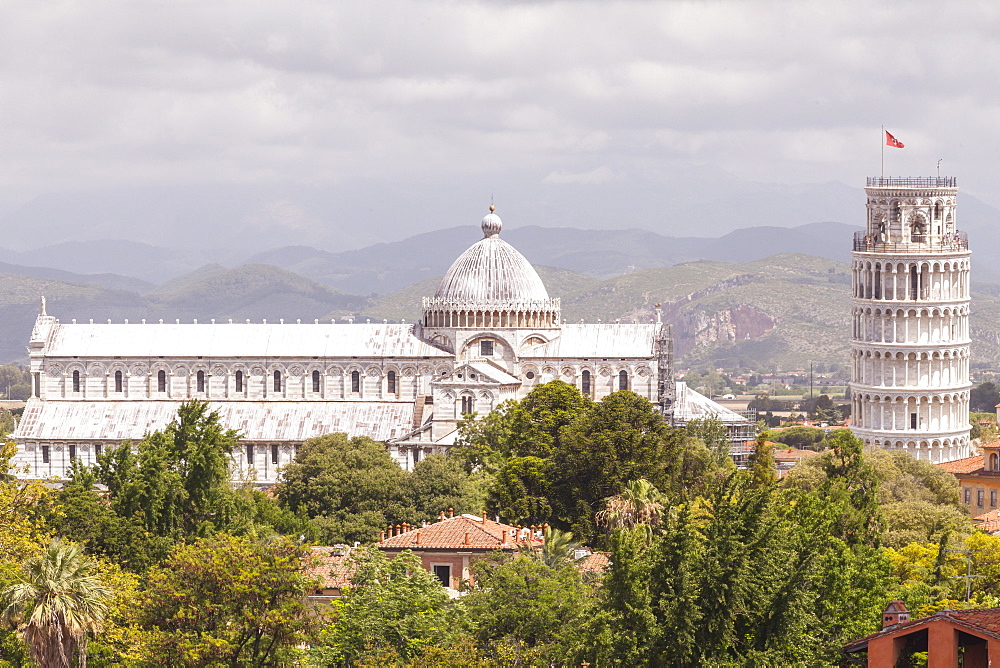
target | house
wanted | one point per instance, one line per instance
(786, 458)
(975, 633)
(979, 478)
(333, 567)
(448, 547)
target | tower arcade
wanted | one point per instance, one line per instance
(910, 342)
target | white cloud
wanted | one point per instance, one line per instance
(601, 174)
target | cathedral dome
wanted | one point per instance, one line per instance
(492, 272)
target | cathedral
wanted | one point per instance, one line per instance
(490, 333)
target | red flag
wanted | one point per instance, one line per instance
(892, 141)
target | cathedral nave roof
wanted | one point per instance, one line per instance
(254, 340)
(277, 421)
(603, 340)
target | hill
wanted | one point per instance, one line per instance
(781, 311)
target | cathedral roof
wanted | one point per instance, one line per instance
(281, 421)
(238, 340)
(491, 271)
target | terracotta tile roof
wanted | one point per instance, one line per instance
(332, 565)
(462, 532)
(792, 453)
(983, 621)
(595, 562)
(988, 521)
(967, 465)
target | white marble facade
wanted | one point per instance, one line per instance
(490, 333)
(910, 341)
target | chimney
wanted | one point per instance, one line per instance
(484, 517)
(381, 536)
(451, 512)
(418, 538)
(466, 537)
(895, 613)
(441, 516)
(504, 541)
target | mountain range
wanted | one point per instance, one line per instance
(738, 303)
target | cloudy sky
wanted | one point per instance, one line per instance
(414, 113)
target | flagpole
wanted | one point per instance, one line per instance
(883, 151)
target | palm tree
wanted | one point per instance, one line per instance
(557, 548)
(639, 504)
(59, 601)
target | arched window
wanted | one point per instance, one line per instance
(200, 381)
(239, 381)
(994, 465)
(467, 405)
(277, 381)
(76, 381)
(118, 381)
(585, 383)
(250, 455)
(315, 381)
(623, 380)
(391, 380)
(161, 381)
(355, 381)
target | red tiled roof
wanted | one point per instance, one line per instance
(595, 562)
(332, 565)
(462, 532)
(792, 453)
(985, 621)
(967, 465)
(988, 521)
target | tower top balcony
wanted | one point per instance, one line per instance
(912, 182)
(955, 242)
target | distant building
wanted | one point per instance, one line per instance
(979, 479)
(448, 547)
(973, 635)
(910, 344)
(490, 333)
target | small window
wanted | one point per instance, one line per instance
(391, 381)
(355, 381)
(98, 449)
(967, 493)
(72, 451)
(201, 381)
(250, 455)
(530, 375)
(277, 381)
(913, 422)
(623, 380)
(585, 383)
(467, 405)
(486, 348)
(315, 375)
(979, 498)
(993, 498)
(161, 381)
(76, 381)
(993, 461)
(118, 381)
(274, 454)
(239, 381)
(45, 454)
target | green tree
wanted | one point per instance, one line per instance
(526, 610)
(177, 481)
(557, 548)
(394, 607)
(804, 438)
(712, 433)
(984, 398)
(350, 488)
(522, 490)
(439, 482)
(226, 600)
(620, 438)
(57, 605)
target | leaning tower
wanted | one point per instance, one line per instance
(910, 346)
